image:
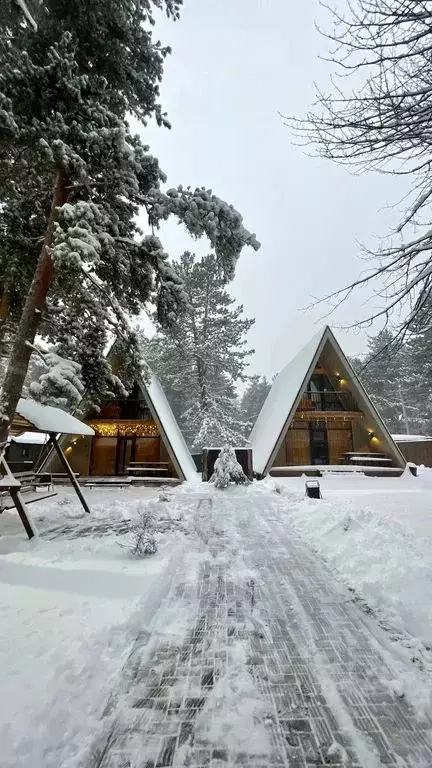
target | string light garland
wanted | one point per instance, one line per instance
(323, 416)
(124, 428)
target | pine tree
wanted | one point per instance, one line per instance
(73, 177)
(227, 469)
(418, 378)
(394, 383)
(253, 400)
(380, 375)
(204, 356)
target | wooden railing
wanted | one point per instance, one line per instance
(123, 409)
(328, 401)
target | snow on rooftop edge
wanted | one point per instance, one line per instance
(411, 438)
(170, 427)
(50, 419)
(280, 401)
(30, 438)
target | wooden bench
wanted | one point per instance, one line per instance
(106, 482)
(25, 483)
(60, 476)
(318, 470)
(32, 480)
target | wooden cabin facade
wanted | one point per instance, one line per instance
(317, 414)
(125, 434)
(136, 436)
(328, 424)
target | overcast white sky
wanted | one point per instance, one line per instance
(235, 65)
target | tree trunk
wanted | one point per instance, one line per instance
(404, 412)
(30, 318)
(201, 367)
(4, 315)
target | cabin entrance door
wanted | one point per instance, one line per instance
(319, 451)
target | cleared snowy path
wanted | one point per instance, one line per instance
(278, 666)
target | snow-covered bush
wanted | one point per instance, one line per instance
(227, 469)
(165, 493)
(142, 540)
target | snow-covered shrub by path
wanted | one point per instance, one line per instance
(227, 469)
(165, 493)
(141, 540)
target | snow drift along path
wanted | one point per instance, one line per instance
(376, 533)
(266, 660)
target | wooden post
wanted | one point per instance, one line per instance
(66, 465)
(26, 520)
(9, 483)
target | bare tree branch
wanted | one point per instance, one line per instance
(384, 123)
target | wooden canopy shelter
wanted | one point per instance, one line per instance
(31, 416)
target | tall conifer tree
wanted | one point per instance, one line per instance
(73, 178)
(204, 356)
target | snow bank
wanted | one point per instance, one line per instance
(383, 558)
(376, 535)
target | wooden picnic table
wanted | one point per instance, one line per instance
(13, 487)
(376, 461)
(148, 468)
(365, 453)
(371, 458)
(148, 464)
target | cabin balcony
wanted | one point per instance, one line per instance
(123, 409)
(327, 401)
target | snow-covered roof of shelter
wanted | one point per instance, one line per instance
(285, 395)
(279, 402)
(30, 438)
(167, 424)
(46, 418)
(411, 438)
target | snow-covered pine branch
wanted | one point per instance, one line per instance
(203, 213)
(23, 6)
(61, 385)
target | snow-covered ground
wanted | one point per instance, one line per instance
(68, 610)
(73, 601)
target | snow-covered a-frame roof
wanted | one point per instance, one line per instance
(169, 429)
(284, 397)
(46, 418)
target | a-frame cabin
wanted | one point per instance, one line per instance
(138, 430)
(317, 414)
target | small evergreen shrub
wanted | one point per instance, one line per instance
(227, 470)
